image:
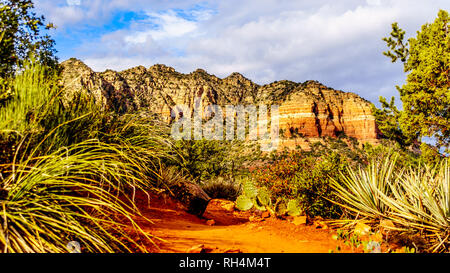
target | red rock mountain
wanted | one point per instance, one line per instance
(307, 110)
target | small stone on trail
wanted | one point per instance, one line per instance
(196, 249)
(361, 229)
(320, 224)
(299, 220)
(211, 222)
(289, 218)
(258, 212)
(255, 219)
(373, 247)
(265, 214)
(233, 250)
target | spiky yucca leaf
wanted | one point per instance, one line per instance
(52, 190)
(69, 195)
(361, 190)
(420, 200)
(415, 200)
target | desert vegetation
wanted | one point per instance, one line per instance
(64, 172)
(70, 170)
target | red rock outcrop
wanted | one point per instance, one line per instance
(314, 110)
(307, 111)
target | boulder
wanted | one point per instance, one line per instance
(192, 196)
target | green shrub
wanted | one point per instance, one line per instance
(293, 208)
(252, 196)
(205, 160)
(244, 203)
(259, 198)
(32, 98)
(305, 178)
(222, 188)
(5, 90)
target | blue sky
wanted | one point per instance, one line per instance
(335, 42)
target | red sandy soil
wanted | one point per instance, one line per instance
(180, 232)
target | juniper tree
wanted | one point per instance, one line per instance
(21, 37)
(425, 95)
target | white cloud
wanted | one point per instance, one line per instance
(169, 25)
(73, 2)
(98, 12)
(336, 42)
(373, 2)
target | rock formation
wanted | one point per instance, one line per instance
(308, 110)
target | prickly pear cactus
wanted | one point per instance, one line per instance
(250, 189)
(263, 197)
(293, 208)
(243, 202)
(280, 208)
(252, 196)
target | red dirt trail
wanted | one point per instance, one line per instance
(180, 232)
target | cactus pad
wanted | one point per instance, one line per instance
(250, 189)
(264, 198)
(293, 208)
(243, 202)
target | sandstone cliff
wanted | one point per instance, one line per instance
(307, 110)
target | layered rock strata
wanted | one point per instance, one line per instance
(307, 110)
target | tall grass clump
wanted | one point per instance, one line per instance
(58, 184)
(34, 88)
(223, 188)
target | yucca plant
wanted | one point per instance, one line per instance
(361, 190)
(420, 201)
(415, 199)
(69, 195)
(56, 188)
(80, 192)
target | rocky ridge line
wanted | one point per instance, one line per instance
(308, 110)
